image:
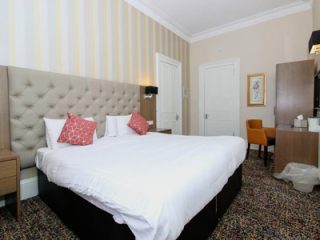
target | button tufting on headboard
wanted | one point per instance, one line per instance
(36, 94)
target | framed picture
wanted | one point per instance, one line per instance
(256, 89)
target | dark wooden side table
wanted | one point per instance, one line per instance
(295, 145)
(161, 130)
(10, 180)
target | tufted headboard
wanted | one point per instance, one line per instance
(36, 94)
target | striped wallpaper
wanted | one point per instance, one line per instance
(106, 39)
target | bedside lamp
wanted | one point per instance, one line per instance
(314, 42)
(150, 91)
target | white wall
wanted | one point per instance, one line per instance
(316, 23)
(260, 48)
(316, 14)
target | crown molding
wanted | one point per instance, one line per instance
(171, 24)
(162, 18)
(253, 20)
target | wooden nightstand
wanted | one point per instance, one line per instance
(161, 130)
(10, 179)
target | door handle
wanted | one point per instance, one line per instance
(206, 116)
(177, 117)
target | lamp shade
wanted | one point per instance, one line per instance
(151, 90)
(314, 42)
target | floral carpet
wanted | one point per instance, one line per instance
(265, 208)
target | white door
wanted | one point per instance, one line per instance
(169, 98)
(219, 99)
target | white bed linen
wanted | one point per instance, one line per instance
(41, 152)
(154, 183)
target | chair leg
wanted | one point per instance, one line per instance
(259, 155)
(248, 150)
(265, 156)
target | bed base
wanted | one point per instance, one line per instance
(89, 222)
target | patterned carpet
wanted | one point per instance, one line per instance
(266, 208)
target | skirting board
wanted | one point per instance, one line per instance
(28, 184)
(256, 147)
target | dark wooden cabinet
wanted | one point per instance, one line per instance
(295, 91)
(295, 95)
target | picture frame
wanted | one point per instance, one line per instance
(256, 83)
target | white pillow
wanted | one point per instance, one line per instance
(111, 126)
(53, 131)
(122, 126)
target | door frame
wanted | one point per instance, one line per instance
(235, 94)
(162, 58)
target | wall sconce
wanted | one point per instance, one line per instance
(149, 91)
(314, 42)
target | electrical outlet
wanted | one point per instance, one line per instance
(150, 122)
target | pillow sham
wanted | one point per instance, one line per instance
(53, 129)
(111, 126)
(122, 126)
(138, 124)
(77, 131)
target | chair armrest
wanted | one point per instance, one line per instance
(257, 136)
(270, 132)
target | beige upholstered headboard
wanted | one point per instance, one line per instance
(36, 94)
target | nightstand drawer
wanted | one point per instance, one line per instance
(8, 185)
(10, 179)
(8, 169)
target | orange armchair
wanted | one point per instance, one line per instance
(261, 136)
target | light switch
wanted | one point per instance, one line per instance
(185, 92)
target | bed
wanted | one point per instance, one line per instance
(36, 94)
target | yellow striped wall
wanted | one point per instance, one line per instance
(106, 39)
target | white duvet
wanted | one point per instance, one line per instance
(155, 183)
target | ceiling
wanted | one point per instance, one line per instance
(195, 19)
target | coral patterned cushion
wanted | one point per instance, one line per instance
(77, 131)
(138, 124)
